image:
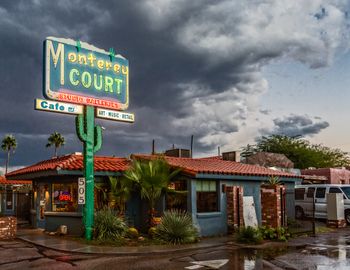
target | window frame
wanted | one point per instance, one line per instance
(308, 192)
(323, 190)
(9, 192)
(300, 191)
(74, 200)
(211, 184)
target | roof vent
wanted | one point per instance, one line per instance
(178, 152)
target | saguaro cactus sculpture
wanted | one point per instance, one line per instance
(91, 136)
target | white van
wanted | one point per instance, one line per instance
(305, 194)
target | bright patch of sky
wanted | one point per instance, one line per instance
(323, 92)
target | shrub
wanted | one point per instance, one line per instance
(108, 226)
(152, 232)
(133, 233)
(273, 180)
(249, 235)
(280, 234)
(176, 227)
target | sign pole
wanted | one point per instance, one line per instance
(91, 136)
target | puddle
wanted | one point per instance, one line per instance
(243, 258)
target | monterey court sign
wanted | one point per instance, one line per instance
(83, 74)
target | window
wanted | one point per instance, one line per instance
(334, 190)
(9, 199)
(299, 193)
(320, 193)
(310, 192)
(346, 190)
(178, 198)
(207, 196)
(64, 197)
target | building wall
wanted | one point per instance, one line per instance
(215, 223)
(52, 220)
(211, 223)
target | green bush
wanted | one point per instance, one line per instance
(176, 227)
(108, 226)
(249, 235)
(280, 234)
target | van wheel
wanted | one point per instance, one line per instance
(299, 212)
(347, 216)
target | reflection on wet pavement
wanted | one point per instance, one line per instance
(329, 251)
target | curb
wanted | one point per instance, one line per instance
(179, 249)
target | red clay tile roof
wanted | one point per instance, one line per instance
(212, 158)
(193, 166)
(4, 181)
(74, 162)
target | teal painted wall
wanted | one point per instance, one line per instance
(215, 223)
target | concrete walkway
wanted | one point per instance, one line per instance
(67, 244)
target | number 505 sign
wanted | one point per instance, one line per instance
(81, 190)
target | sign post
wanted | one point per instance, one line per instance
(79, 73)
(91, 136)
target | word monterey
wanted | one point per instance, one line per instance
(80, 73)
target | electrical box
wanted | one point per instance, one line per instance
(335, 206)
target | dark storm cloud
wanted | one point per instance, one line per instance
(294, 125)
(194, 66)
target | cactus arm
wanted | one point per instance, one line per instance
(79, 124)
(98, 138)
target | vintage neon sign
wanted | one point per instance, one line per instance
(65, 197)
(77, 72)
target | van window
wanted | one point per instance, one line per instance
(334, 190)
(310, 192)
(320, 193)
(346, 190)
(299, 193)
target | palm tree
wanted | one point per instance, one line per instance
(116, 193)
(8, 143)
(56, 140)
(152, 177)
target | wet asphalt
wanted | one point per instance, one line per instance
(325, 251)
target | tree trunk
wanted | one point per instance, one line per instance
(7, 161)
(152, 212)
(55, 151)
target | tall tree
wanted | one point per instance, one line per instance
(300, 151)
(56, 140)
(152, 177)
(8, 144)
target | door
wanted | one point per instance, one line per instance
(40, 206)
(23, 206)
(320, 203)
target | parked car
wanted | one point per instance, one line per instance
(305, 194)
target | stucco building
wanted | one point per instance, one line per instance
(205, 180)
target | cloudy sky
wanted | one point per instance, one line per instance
(225, 71)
